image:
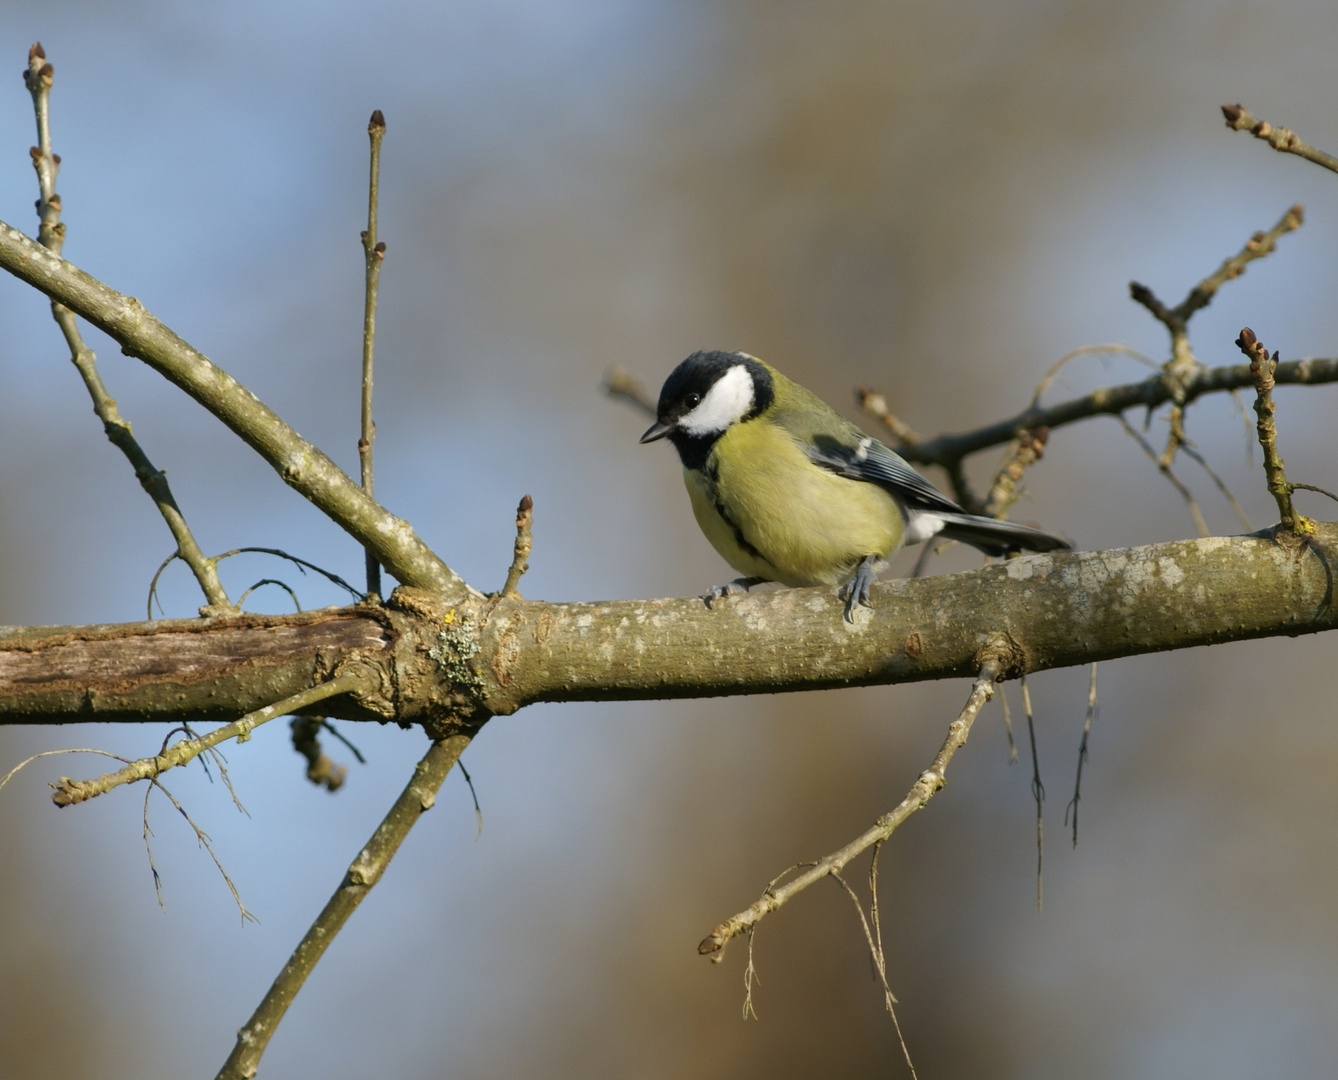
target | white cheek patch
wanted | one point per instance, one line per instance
(727, 402)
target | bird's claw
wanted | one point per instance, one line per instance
(856, 591)
(737, 587)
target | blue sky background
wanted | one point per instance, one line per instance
(939, 199)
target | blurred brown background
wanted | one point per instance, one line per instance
(938, 199)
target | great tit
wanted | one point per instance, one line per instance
(788, 490)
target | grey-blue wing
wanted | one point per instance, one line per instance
(929, 511)
(871, 461)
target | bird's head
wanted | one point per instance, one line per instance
(707, 394)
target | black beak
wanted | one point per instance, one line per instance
(657, 430)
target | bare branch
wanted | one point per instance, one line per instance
(524, 517)
(1110, 401)
(418, 796)
(1165, 469)
(1082, 755)
(876, 953)
(622, 385)
(39, 78)
(300, 464)
(1239, 118)
(875, 404)
(201, 837)
(994, 658)
(505, 653)
(1263, 366)
(1037, 788)
(301, 564)
(374, 252)
(68, 792)
(1259, 245)
(1027, 449)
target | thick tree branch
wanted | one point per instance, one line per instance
(301, 465)
(201, 671)
(498, 656)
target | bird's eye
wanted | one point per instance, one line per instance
(692, 400)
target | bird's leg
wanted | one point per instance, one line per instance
(732, 588)
(856, 590)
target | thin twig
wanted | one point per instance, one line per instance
(1008, 726)
(146, 833)
(1088, 350)
(879, 964)
(622, 385)
(300, 464)
(1037, 788)
(365, 871)
(1311, 487)
(478, 810)
(1110, 401)
(1165, 470)
(1082, 755)
(1183, 366)
(301, 564)
(930, 781)
(750, 979)
(202, 838)
(1027, 449)
(53, 753)
(212, 753)
(326, 723)
(922, 560)
(1239, 118)
(875, 404)
(270, 581)
(524, 518)
(69, 792)
(153, 586)
(39, 77)
(375, 253)
(1263, 366)
(1193, 453)
(1257, 246)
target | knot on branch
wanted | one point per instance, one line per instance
(1001, 658)
(438, 681)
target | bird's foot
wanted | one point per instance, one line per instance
(856, 590)
(732, 588)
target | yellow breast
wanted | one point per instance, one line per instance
(771, 513)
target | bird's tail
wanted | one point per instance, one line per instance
(995, 537)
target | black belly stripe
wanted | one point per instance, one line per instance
(712, 473)
(739, 538)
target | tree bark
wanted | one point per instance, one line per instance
(450, 665)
